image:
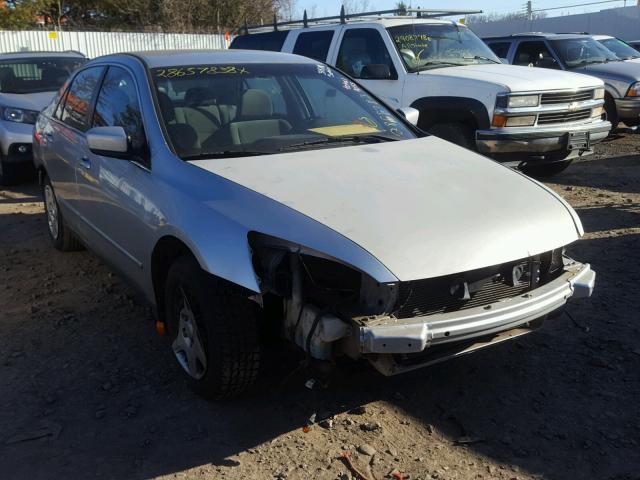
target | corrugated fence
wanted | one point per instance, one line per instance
(94, 44)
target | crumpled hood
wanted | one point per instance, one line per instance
(28, 101)
(624, 71)
(516, 78)
(422, 207)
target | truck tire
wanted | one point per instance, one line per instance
(458, 133)
(61, 236)
(546, 170)
(213, 331)
(611, 112)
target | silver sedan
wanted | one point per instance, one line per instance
(241, 190)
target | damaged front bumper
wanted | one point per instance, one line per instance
(394, 346)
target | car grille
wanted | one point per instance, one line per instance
(429, 296)
(565, 97)
(563, 117)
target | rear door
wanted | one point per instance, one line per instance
(65, 139)
(360, 46)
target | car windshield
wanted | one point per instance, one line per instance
(576, 52)
(620, 48)
(36, 74)
(424, 46)
(229, 110)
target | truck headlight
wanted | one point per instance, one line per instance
(19, 115)
(634, 90)
(598, 94)
(597, 112)
(517, 101)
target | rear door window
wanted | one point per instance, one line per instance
(272, 41)
(77, 105)
(314, 44)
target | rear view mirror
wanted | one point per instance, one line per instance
(375, 71)
(108, 141)
(410, 114)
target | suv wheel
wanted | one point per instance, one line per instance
(610, 112)
(458, 133)
(7, 173)
(61, 236)
(546, 170)
(213, 330)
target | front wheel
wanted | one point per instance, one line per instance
(213, 330)
(610, 112)
(546, 170)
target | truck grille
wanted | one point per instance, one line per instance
(563, 117)
(566, 97)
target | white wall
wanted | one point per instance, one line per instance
(619, 22)
(94, 44)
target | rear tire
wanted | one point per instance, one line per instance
(611, 112)
(458, 133)
(8, 173)
(213, 330)
(546, 170)
(61, 236)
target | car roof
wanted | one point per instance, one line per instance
(550, 36)
(40, 54)
(165, 58)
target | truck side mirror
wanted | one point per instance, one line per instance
(410, 114)
(375, 71)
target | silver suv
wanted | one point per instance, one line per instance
(28, 81)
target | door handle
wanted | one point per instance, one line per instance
(85, 162)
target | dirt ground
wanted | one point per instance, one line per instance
(87, 390)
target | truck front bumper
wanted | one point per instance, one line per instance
(540, 141)
(394, 346)
(628, 109)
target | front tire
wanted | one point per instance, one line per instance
(546, 170)
(611, 112)
(213, 330)
(458, 133)
(8, 173)
(61, 236)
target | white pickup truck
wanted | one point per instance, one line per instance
(536, 119)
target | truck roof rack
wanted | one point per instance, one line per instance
(343, 17)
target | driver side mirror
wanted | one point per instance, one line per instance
(108, 141)
(410, 114)
(375, 71)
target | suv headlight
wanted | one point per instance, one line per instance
(518, 101)
(19, 115)
(598, 94)
(634, 90)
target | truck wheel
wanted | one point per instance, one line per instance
(458, 133)
(611, 112)
(61, 236)
(546, 170)
(213, 330)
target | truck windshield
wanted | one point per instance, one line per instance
(577, 52)
(423, 46)
(620, 48)
(212, 111)
(36, 74)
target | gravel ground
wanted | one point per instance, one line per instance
(87, 390)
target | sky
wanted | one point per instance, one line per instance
(332, 7)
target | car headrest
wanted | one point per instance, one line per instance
(256, 104)
(199, 96)
(52, 74)
(166, 107)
